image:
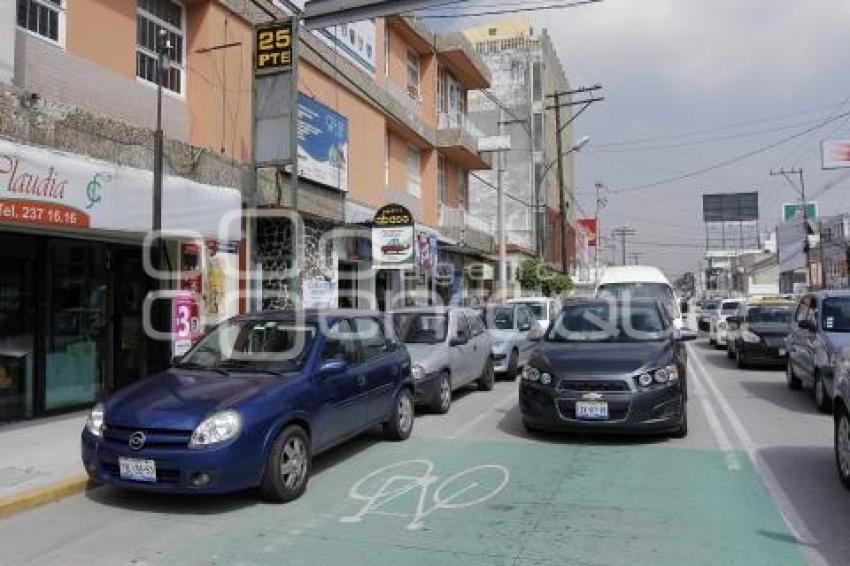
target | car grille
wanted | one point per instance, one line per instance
(162, 476)
(593, 385)
(774, 341)
(616, 411)
(154, 438)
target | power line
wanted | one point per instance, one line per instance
(510, 10)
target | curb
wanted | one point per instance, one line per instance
(12, 504)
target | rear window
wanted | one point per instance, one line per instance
(836, 314)
(730, 308)
(767, 314)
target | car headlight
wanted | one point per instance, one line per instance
(667, 374)
(545, 378)
(417, 372)
(498, 346)
(94, 424)
(215, 429)
(531, 373)
(645, 379)
(750, 337)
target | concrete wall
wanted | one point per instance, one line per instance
(7, 41)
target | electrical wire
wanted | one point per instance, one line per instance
(510, 10)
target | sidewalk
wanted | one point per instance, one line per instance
(40, 461)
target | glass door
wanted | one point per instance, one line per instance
(76, 328)
(17, 325)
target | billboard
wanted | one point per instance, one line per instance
(730, 207)
(322, 144)
(794, 210)
(790, 238)
(392, 238)
(835, 154)
(588, 225)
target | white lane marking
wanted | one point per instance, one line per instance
(720, 436)
(786, 508)
(506, 402)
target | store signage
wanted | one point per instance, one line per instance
(274, 47)
(63, 190)
(322, 144)
(835, 154)
(393, 238)
(588, 225)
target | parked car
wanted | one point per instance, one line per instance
(449, 349)
(707, 309)
(820, 332)
(757, 332)
(641, 281)
(601, 371)
(545, 309)
(251, 404)
(510, 327)
(717, 331)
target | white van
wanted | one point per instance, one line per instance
(643, 282)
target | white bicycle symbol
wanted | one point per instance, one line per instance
(467, 488)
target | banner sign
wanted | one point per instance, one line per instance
(63, 190)
(835, 154)
(393, 238)
(322, 144)
(794, 210)
(589, 227)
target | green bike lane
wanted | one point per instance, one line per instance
(442, 502)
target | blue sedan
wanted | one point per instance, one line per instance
(251, 404)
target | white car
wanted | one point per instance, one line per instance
(717, 335)
(512, 328)
(545, 309)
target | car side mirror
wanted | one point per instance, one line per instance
(331, 368)
(686, 335)
(392, 344)
(524, 327)
(459, 340)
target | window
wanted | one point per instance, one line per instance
(476, 326)
(414, 172)
(462, 325)
(373, 343)
(462, 193)
(443, 179)
(341, 344)
(413, 74)
(538, 131)
(153, 16)
(492, 31)
(537, 82)
(42, 17)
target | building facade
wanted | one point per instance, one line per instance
(526, 70)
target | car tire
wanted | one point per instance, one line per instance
(820, 396)
(791, 378)
(400, 425)
(442, 399)
(288, 466)
(741, 361)
(682, 431)
(530, 428)
(730, 353)
(842, 446)
(487, 381)
(513, 365)
(712, 342)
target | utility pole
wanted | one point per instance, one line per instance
(601, 202)
(636, 258)
(801, 190)
(559, 129)
(162, 65)
(624, 232)
(500, 212)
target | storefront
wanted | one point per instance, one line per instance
(72, 285)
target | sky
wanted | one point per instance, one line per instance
(690, 84)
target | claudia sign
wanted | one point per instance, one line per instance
(392, 238)
(52, 188)
(588, 225)
(836, 154)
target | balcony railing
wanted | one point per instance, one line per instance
(408, 97)
(459, 220)
(459, 121)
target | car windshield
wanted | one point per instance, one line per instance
(710, 306)
(836, 314)
(252, 346)
(603, 322)
(421, 327)
(775, 313)
(539, 309)
(633, 290)
(498, 318)
(729, 308)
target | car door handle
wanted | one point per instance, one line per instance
(361, 380)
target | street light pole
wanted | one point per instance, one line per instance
(500, 206)
(801, 190)
(163, 64)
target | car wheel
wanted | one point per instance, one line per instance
(287, 466)
(682, 431)
(442, 401)
(487, 381)
(741, 361)
(842, 447)
(791, 378)
(400, 424)
(530, 428)
(730, 352)
(513, 365)
(712, 342)
(822, 400)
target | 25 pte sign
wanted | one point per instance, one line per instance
(274, 47)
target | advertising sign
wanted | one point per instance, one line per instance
(186, 322)
(794, 210)
(589, 227)
(319, 294)
(730, 207)
(835, 154)
(274, 47)
(393, 238)
(322, 144)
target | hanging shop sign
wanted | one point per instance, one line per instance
(393, 238)
(63, 190)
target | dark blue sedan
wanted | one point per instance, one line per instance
(252, 403)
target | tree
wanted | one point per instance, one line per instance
(533, 275)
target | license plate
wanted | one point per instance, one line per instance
(137, 470)
(592, 410)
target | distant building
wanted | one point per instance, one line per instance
(524, 68)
